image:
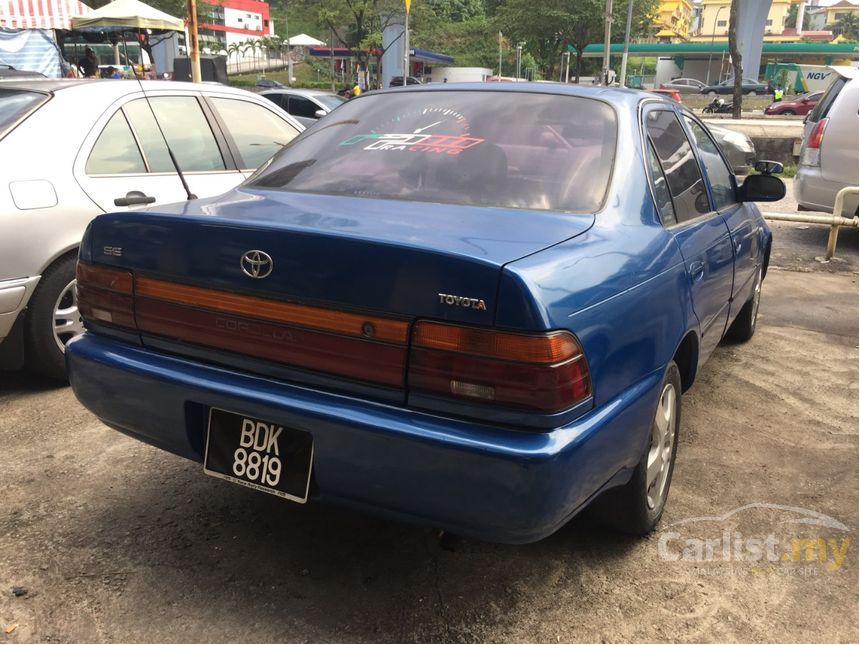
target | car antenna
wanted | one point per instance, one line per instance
(190, 196)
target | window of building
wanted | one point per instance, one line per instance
(769, 22)
(721, 23)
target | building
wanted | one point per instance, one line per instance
(674, 18)
(714, 20)
(234, 21)
(822, 17)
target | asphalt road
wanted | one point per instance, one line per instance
(107, 539)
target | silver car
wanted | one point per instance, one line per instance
(306, 106)
(70, 150)
(829, 152)
(684, 85)
(737, 147)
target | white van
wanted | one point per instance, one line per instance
(829, 152)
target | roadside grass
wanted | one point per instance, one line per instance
(307, 77)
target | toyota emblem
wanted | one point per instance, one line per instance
(256, 264)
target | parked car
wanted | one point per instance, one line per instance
(397, 81)
(268, 83)
(801, 104)
(750, 87)
(306, 106)
(70, 150)
(736, 146)
(675, 95)
(684, 85)
(474, 308)
(829, 151)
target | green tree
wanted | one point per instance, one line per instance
(845, 26)
(555, 24)
(791, 17)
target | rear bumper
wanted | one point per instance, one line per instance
(814, 192)
(471, 479)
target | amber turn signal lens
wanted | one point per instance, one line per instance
(542, 349)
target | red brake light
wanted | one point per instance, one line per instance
(105, 295)
(817, 134)
(542, 372)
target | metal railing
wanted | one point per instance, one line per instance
(834, 221)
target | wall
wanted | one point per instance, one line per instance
(460, 74)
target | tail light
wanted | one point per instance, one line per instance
(540, 372)
(105, 295)
(812, 150)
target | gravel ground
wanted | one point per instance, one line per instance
(107, 539)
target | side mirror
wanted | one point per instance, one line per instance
(766, 167)
(762, 188)
(319, 114)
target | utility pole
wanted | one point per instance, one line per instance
(626, 43)
(406, 44)
(519, 59)
(499, 72)
(607, 34)
(331, 57)
(193, 48)
(289, 49)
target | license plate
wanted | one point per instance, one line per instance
(259, 454)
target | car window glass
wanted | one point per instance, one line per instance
(661, 189)
(300, 106)
(679, 164)
(331, 101)
(14, 104)
(535, 151)
(258, 132)
(278, 99)
(719, 175)
(823, 106)
(182, 120)
(115, 151)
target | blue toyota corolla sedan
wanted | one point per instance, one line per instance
(473, 307)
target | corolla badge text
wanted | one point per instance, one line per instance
(462, 301)
(256, 264)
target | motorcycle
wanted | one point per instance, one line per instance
(718, 106)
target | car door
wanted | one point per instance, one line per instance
(253, 131)
(700, 232)
(745, 228)
(128, 152)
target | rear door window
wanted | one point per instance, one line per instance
(258, 132)
(679, 164)
(523, 150)
(182, 120)
(115, 151)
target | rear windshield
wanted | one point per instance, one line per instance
(16, 104)
(507, 149)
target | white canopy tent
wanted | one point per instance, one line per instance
(303, 40)
(127, 15)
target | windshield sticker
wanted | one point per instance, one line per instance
(437, 143)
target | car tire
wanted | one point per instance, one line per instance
(712, 93)
(751, 93)
(53, 301)
(788, 112)
(636, 507)
(743, 327)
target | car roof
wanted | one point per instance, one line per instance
(115, 88)
(613, 95)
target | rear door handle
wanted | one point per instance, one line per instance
(697, 271)
(134, 198)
